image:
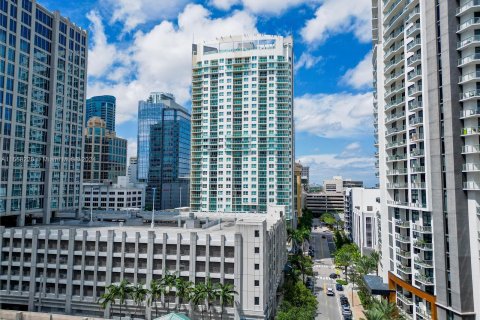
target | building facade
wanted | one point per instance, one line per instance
(122, 195)
(169, 160)
(132, 170)
(65, 269)
(425, 60)
(105, 153)
(42, 98)
(305, 176)
(150, 113)
(103, 107)
(242, 124)
(325, 202)
(362, 211)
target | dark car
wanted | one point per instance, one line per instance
(333, 276)
(339, 287)
(346, 317)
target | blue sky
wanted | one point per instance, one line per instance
(144, 45)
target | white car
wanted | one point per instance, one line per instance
(330, 292)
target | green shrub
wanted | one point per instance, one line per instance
(342, 282)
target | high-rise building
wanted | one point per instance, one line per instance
(42, 98)
(105, 154)
(169, 162)
(305, 175)
(102, 107)
(426, 79)
(132, 170)
(242, 124)
(150, 113)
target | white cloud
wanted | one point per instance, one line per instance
(348, 163)
(361, 76)
(161, 58)
(133, 13)
(353, 146)
(306, 61)
(102, 55)
(132, 148)
(274, 7)
(335, 115)
(339, 16)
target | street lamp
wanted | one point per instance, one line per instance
(153, 209)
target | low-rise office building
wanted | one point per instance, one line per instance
(325, 202)
(118, 196)
(65, 268)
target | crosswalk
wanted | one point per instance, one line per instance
(325, 278)
(324, 266)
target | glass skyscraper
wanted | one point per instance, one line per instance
(242, 124)
(150, 113)
(169, 162)
(103, 107)
(43, 59)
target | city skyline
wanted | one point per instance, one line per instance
(333, 108)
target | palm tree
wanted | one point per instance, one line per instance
(183, 289)
(211, 296)
(169, 281)
(108, 298)
(375, 256)
(139, 294)
(155, 293)
(383, 309)
(199, 295)
(124, 292)
(303, 264)
(226, 293)
(364, 265)
(297, 236)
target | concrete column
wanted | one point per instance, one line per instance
(33, 270)
(95, 281)
(70, 263)
(193, 255)
(122, 263)
(207, 256)
(135, 262)
(222, 258)
(82, 271)
(238, 279)
(150, 252)
(22, 259)
(57, 261)
(108, 273)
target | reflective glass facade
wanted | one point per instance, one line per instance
(169, 160)
(103, 107)
(43, 59)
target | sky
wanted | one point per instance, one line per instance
(141, 46)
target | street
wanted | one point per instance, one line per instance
(328, 306)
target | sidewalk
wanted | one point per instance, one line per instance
(355, 305)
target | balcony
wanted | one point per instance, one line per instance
(424, 279)
(471, 149)
(423, 313)
(469, 113)
(414, 14)
(468, 7)
(414, 60)
(414, 45)
(471, 167)
(473, 58)
(397, 185)
(396, 172)
(394, 130)
(397, 203)
(405, 300)
(415, 90)
(414, 75)
(470, 77)
(413, 30)
(426, 264)
(422, 245)
(395, 117)
(403, 253)
(470, 131)
(418, 169)
(416, 121)
(404, 269)
(421, 229)
(393, 91)
(470, 185)
(469, 95)
(403, 239)
(417, 153)
(394, 103)
(402, 223)
(418, 185)
(414, 105)
(472, 40)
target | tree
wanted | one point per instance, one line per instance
(364, 265)
(211, 295)
(155, 293)
(345, 256)
(199, 295)
(298, 236)
(328, 219)
(108, 298)
(139, 295)
(383, 309)
(183, 290)
(376, 257)
(169, 281)
(298, 302)
(226, 293)
(303, 264)
(124, 291)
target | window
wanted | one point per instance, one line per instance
(257, 283)
(257, 250)
(257, 233)
(257, 301)
(257, 266)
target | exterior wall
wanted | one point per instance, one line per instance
(105, 153)
(426, 108)
(132, 170)
(331, 202)
(65, 270)
(115, 197)
(169, 162)
(41, 128)
(103, 107)
(150, 112)
(241, 131)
